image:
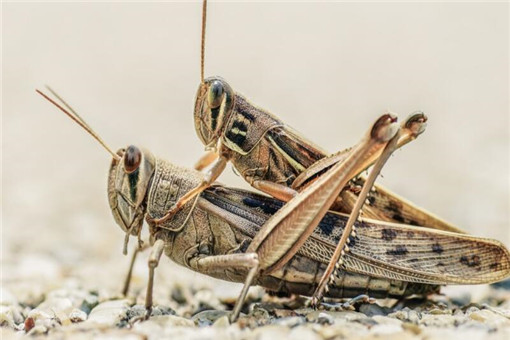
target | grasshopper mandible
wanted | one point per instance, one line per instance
(240, 236)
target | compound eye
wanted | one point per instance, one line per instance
(215, 94)
(132, 159)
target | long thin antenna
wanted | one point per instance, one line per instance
(78, 120)
(64, 103)
(202, 50)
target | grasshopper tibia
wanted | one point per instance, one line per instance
(154, 257)
(127, 281)
(415, 124)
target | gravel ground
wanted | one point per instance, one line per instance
(66, 303)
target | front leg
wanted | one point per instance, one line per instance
(206, 160)
(127, 281)
(154, 257)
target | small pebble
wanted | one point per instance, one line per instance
(270, 332)
(441, 320)
(373, 309)
(411, 327)
(77, 315)
(29, 324)
(406, 314)
(385, 320)
(343, 315)
(156, 323)
(10, 316)
(290, 321)
(222, 322)
(89, 303)
(260, 311)
(205, 299)
(303, 333)
(438, 311)
(109, 312)
(40, 322)
(208, 317)
(325, 319)
(384, 329)
(283, 313)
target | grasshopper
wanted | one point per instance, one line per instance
(274, 158)
(245, 237)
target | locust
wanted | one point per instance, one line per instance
(242, 236)
(277, 160)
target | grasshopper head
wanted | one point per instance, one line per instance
(213, 108)
(128, 182)
(129, 177)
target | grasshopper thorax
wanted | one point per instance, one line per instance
(128, 182)
(213, 108)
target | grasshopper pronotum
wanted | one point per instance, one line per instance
(241, 236)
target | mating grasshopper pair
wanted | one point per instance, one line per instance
(298, 247)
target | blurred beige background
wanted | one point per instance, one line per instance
(328, 69)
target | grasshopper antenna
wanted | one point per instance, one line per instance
(74, 116)
(202, 47)
(64, 103)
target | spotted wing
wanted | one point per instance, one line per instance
(380, 249)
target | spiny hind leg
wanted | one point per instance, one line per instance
(386, 206)
(411, 124)
(412, 127)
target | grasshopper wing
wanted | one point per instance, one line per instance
(380, 249)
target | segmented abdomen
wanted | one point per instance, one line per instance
(301, 276)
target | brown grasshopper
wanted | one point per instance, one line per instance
(240, 236)
(277, 160)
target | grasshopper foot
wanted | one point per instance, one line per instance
(147, 314)
(315, 301)
(351, 303)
